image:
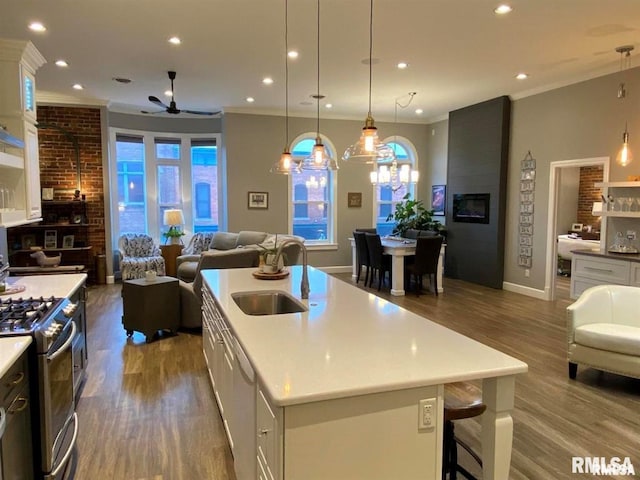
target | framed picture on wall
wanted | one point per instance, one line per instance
(438, 199)
(354, 199)
(576, 227)
(258, 200)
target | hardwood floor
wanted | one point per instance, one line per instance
(147, 410)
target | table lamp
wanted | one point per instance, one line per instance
(174, 218)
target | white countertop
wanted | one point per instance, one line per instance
(47, 285)
(350, 342)
(10, 350)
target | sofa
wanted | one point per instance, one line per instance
(603, 329)
(221, 250)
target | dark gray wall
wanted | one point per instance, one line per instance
(477, 163)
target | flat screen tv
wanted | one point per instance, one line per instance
(471, 207)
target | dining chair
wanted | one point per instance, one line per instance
(378, 261)
(425, 262)
(362, 255)
(366, 230)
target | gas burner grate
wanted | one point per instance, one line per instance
(23, 314)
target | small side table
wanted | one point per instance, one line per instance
(170, 253)
(149, 306)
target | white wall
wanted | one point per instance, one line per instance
(568, 199)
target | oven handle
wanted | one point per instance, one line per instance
(65, 345)
(64, 460)
(3, 421)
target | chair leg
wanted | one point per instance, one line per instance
(435, 282)
(366, 274)
(358, 275)
(573, 370)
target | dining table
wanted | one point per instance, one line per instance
(398, 248)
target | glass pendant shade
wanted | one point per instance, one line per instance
(319, 159)
(286, 164)
(369, 149)
(624, 156)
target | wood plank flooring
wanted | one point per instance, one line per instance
(147, 410)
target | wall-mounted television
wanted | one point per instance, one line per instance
(471, 207)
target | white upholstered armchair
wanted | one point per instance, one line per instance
(603, 328)
(139, 253)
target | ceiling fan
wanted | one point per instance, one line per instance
(172, 108)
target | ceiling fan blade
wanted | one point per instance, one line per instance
(157, 101)
(152, 113)
(196, 112)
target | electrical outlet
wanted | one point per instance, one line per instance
(527, 272)
(427, 413)
(631, 234)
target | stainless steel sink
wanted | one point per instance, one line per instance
(267, 302)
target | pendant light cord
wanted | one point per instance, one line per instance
(286, 71)
(370, 51)
(318, 79)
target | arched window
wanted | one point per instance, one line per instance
(312, 196)
(386, 196)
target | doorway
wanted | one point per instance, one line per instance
(555, 197)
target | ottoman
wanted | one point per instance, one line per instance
(150, 305)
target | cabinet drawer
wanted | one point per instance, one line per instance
(16, 377)
(601, 269)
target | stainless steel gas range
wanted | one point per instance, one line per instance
(53, 324)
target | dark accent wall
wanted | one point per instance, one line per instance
(477, 163)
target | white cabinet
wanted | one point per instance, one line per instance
(268, 426)
(600, 269)
(19, 61)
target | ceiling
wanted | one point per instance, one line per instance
(459, 51)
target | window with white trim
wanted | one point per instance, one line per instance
(312, 197)
(386, 196)
(153, 172)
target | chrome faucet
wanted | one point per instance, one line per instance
(304, 284)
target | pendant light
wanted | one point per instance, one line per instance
(319, 158)
(624, 156)
(392, 175)
(286, 165)
(369, 148)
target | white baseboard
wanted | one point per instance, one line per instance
(335, 269)
(528, 291)
(111, 279)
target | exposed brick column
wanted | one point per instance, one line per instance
(587, 194)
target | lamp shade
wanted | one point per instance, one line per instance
(173, 217)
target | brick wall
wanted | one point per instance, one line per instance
(58, 162)
(587, 194)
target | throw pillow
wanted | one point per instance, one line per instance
(224, 241)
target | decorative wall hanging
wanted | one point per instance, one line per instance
(527, 195)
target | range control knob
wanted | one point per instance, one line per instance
(69, 310)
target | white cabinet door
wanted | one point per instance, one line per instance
(269, 437)
(32, 171)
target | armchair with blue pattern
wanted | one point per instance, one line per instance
(138, 254)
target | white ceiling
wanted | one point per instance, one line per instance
(459, 51)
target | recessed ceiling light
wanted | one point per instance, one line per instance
(419, 111)
(329, 105)
(175, 41)
(37, 27)
(77, 86)
(292, 54)
(267, 80)
(251, 99)
(402, 65)
(503, 9)
(168, 93)
(61, 63)
(522, 76)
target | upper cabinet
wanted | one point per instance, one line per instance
(19, 162)
(622, 199)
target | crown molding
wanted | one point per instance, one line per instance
(51, 98)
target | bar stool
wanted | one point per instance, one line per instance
(461, 400)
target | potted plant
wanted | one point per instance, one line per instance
(173, 234)
(411, 214)
(267, 257)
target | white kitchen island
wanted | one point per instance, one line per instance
(336, 391)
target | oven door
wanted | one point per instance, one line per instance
(58, 422)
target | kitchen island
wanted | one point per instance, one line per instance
(350, 388)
